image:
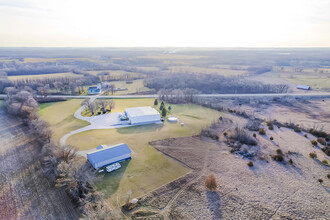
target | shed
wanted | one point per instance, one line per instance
(106, 155)
(304, 87)
(142, 115)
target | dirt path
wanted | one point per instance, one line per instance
(203, 172)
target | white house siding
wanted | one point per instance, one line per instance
(112, 160)
(145, 119)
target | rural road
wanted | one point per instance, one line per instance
(323, 94)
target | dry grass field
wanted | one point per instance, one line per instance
(42, 76)
(135, 87)
(195, 69)
(24, 191)
(268, 190)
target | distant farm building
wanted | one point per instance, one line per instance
(94, 90)
(303, 87)
(142, 115)
(105, 155)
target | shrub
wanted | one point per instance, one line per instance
(314, 142)
(318, 133)
(321, 141)
(326, 150)
(269, 123)
(250, 164)
(279, 151)
(313, 155)
(253, 124)
(225, 134)
(220, 118)
(297, 129)
(325, 162)
(211, 182)
(262, 131)
(320, 180)
(241, 136)
(271, 127)
(254, 135)
(271, 138)
(232, 150)
(305, 135)
(129, 206)
(278, 158)
(290, 161)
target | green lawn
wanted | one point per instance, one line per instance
(60, 116)
(148, 169)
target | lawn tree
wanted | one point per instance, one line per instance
(92, 107)
(164, 112)
(104, 104)
(111, 104)
(112, 88)
(169, 108)
(162, 105)
(156, 102)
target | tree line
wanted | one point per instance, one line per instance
(61, 164)
(210, 83)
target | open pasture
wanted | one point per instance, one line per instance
(148, 169)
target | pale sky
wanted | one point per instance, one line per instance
(167, 23)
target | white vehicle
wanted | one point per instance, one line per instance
(113, 167)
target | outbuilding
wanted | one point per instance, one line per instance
(105, 155)
(142, 115)
(303, 87)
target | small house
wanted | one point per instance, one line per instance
(93, 90)
(105, 155)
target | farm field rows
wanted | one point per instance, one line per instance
(43, 76)
(24, 191)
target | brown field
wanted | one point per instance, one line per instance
(194, 69)
(24, 191)
(43, 76)
(268, 190)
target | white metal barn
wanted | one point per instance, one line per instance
(105, 155)
(303, 87)
(142, 115)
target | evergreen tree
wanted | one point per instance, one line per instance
(164, 112)
(161, 106)
(156, 102)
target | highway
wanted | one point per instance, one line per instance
(323, 94)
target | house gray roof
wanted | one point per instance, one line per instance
(108, 152)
